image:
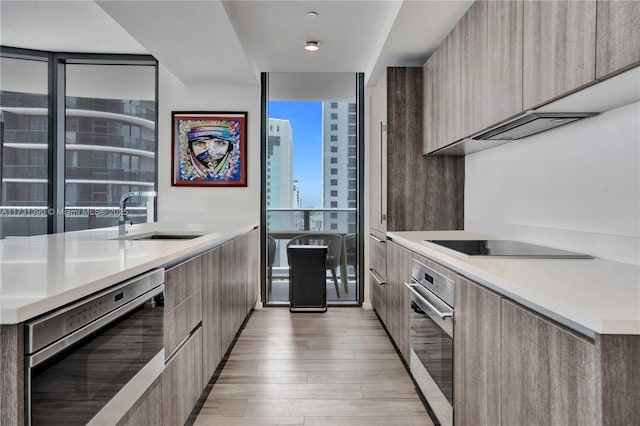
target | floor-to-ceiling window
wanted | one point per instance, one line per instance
(312, 179)
(78, 132)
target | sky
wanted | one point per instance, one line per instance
(306, 127)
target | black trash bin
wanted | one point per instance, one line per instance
(307, 278)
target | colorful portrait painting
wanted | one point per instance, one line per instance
(209, 149)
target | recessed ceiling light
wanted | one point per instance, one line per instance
(312, 46)
(312, 15)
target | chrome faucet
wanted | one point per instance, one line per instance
(124, 217)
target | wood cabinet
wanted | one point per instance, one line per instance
(379, 296)
(439, 203)
(617, 36)
(377, 157)
(503, 87)
(559, 48)
(253, 269)
(476, 360)
(182, 381)
(148, 409)
(474, 69)
(183, 302)
(548, 372)
(227, 294)
(212, 349)
(443, 95)
(399, 304)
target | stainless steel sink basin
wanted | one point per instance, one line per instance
(159, 236)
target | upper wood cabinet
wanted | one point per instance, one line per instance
(503, 96)
(559, 48)
(474, 68)
(617, 36)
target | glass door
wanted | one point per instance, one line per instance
(312, 182)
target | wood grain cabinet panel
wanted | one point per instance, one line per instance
(379, 296)
(182, 381)
(12, 374)
(377, 157)
(399, 304)
(211, 308)
(476, 362)
(148, 409)
(450, 78)
(474, 68)
(504, 61)
(548, 373)
(617, 36)
(559, 48)
(227, 305)
(432, 122)
(183, 305)
(253, 269)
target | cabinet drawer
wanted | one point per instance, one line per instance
(182, 381)
(179, 322)
(181, 282)
(378, 256)
(378, 296)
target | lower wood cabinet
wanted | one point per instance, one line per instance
(379, 296)
(182, 381)
(476, 357)
(549, 374)
(183, 306)
(148, 409)
(211, 311)
(399, 303)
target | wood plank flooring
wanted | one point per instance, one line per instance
(333, 369)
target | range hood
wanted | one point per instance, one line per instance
(531, 123)
(602, 96)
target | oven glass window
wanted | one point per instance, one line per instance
(434, 347)
(72, 387)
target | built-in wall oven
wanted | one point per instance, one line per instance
(431, 338)
(79, 357)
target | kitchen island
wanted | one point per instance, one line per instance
(210, 285)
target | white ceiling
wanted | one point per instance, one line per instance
(218, 42)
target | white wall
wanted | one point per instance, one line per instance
(575, 187)
(226, 207)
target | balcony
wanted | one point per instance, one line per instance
(285, 223)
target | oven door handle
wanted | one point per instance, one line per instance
(441, 314)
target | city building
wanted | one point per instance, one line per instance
(339, 168)
(280, 189)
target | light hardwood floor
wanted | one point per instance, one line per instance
(332, 369)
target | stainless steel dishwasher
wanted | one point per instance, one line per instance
(78, 357)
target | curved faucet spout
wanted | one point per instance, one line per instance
(122, 222)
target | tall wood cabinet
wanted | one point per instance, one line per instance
(408, 190)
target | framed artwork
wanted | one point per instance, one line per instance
(209, 148)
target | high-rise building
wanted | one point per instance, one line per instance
(340, 164)
(280, 193)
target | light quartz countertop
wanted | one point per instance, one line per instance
(589, 295)
(44, 272)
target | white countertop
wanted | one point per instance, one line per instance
(44, 272)
(588, 295)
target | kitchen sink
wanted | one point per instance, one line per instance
(159, 236)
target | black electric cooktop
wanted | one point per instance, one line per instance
(506, 248)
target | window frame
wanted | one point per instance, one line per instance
(56, 96)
